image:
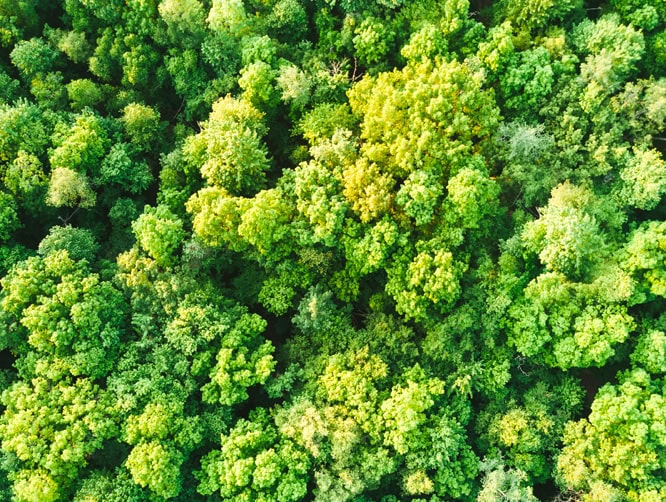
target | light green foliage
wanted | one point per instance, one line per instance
(255, 49)
(450, 118)
(8, 218)
(372, 40)
(643, 180)
(362, 434)
(367, 248)
(277, 293)
(71, 320)
(430, 276)
(157, 467)
(504, 485)
(408, 156)
(185, 18)
(258, 83)
(420, 195)
(22, 128)
(568, 324)
(424, 43)
(215, 217)
(36, 487)
(412, 432)
(72, 43)
(367, 190)
(650, 352)
(334, 434)
(612, 51)
(33, 57)
(259, 222)
(141, 124)
(525, 431)
(159, 232)
(645, 258)
(244, 360)
(264, 223)
(229, 149)
(83, 93)
(530, 15)
(567, 236)
(472, 196)
(619, 447)
(498, 48)
(654, 102)
(159, 434)
(387, 237)
(105, 61)
(79, 243)
(319, 200)
(53, 427)
(69, 188)
(140, 63)
(295, 86)
(255, 463)
(118, 167)
(49, 91)
(26, 179)
(228, 15)
(79, 146)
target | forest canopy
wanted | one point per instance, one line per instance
(332, 250)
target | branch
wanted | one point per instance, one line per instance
(71, 215)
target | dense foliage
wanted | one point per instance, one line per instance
(332, 250)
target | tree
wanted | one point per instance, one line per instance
(83, 93)
(243, 360)
(26, 180)
(9, 220)
(534, 15)
(159, 232)
(33, 58)
(53, 428)
(142, 124)
(159, 434)
(504, 485)
(567, 235)
(80, 146)
(69, 188)
(645, 259)
(228, 149)
(522, 427)
(567, 324)
(612, 51)
(80, 243)
(617, 451)
(643, 180)
(255, 462)
(59, 328)
(23, 129)
(120, 168)
(401, 139)
(185, 20)
(228, 15)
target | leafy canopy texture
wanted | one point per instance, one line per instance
(332, 250)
